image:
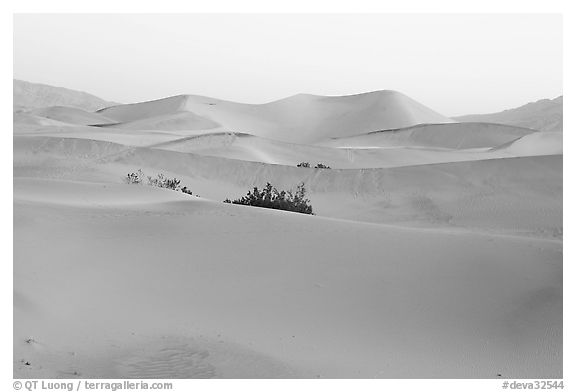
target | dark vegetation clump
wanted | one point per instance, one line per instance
(270, 197)
(187, 191)
(318, 166)
(161, 181)
(134, 178)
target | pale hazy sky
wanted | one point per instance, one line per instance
(455, 64)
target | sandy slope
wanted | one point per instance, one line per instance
(123, 137)
(452, 136)
(519, 195)
(302, 118)
(543, 115)
(22, 119)
(130, 281)
(179, 121)
(252, 148)
(71, 115)
(547, 143)
(28, 95)
(256, 149)
(429, 145)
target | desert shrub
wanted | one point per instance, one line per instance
(134, 178)
(318, 166)
(270, 197)
(161, 181)
(187, 191)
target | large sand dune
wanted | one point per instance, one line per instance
(302, 118)
(436, 249)
(179, 121)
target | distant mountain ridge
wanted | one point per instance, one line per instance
(28, 96)
(542, 115)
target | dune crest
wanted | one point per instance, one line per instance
(303, 118)
(450, 136)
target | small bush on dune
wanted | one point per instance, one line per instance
(187, 191)
(161, 181)
(318, 166)
(270, 197)
(134, 178)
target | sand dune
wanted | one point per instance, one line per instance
(251, 148)
(178, 121)
(28, 119)
(186, 297)
(452, 136)
(138, 111)
(28, 95)
(435, 251)
(512, 195)
(317, 117)
(71, 115)
(543, 115)
(547, 143)
(256, 149)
